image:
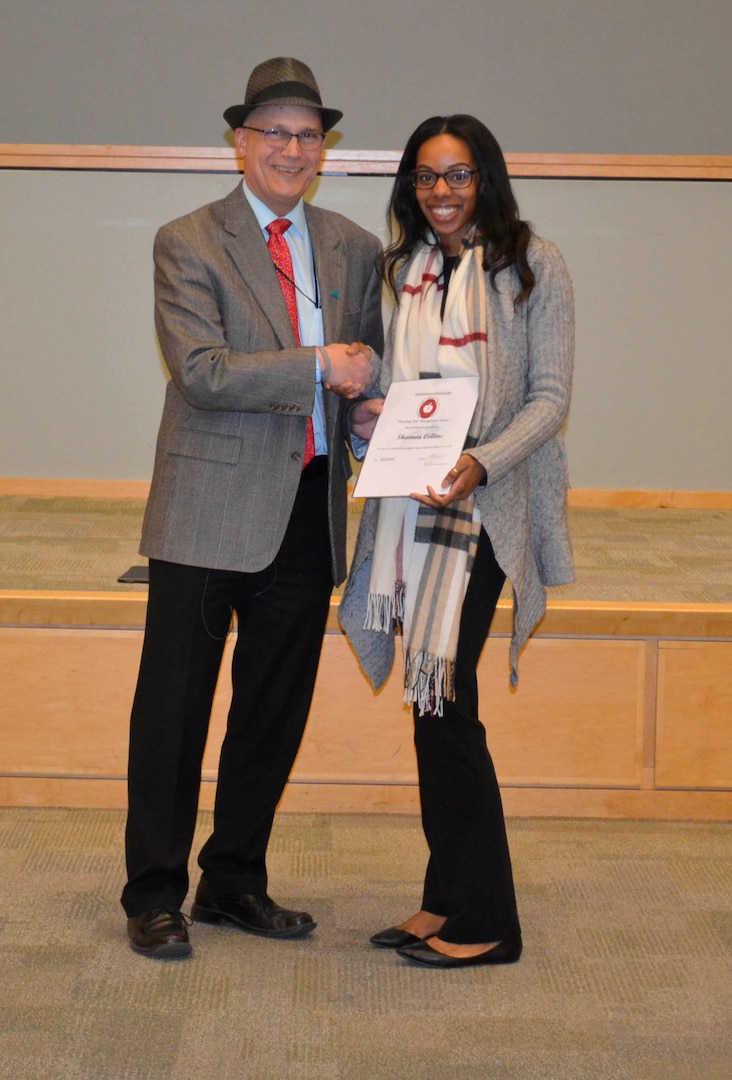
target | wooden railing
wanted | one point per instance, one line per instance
(359, 162)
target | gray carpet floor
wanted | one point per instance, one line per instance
(626, 972)
(680, 556)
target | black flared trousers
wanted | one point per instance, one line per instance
(469, 877)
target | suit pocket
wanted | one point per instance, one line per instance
(205, 445)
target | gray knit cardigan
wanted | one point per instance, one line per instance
(523, 506)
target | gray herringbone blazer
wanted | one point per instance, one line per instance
(232, 435)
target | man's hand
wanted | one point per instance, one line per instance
(462, 480)
(346, 369)
(364, 416)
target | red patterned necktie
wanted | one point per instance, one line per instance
(281, 257)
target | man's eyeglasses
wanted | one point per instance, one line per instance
(277, 137)
(454, 178)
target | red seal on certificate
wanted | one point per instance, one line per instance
(428, 408)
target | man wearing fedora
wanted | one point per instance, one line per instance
(261, 303)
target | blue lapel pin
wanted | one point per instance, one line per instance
(334, 292)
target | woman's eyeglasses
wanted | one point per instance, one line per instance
(454, 178)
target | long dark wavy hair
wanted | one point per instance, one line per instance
(505, 236)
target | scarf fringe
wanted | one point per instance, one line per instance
(384, 612)
(429, 680)
(379, 613)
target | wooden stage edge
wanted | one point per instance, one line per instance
(639, 499)
(110, 793)
(622, 711)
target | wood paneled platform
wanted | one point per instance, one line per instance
(623, 710)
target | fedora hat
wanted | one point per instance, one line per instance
(281, 81)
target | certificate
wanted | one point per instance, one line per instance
(418, 437)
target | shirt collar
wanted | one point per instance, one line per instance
(264, 215)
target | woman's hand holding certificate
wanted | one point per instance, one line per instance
(418, 439)
(462, 480)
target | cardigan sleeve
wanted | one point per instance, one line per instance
(549, 366)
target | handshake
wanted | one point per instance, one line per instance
(346, 369)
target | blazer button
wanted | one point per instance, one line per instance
(295, 455)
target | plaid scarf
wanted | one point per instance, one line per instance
(423, 557)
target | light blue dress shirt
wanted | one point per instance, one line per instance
(309, 311)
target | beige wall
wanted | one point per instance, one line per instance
(553, 76)
(651, 263)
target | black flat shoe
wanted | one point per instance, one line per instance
(255, 913)
(161, 934)
(505, 952)
(393, 938)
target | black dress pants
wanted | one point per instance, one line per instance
(281, 613)
(469, 878)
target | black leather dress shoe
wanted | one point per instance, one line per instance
(505, 952)
(255, 913)
(160, 933)
(393, 938)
